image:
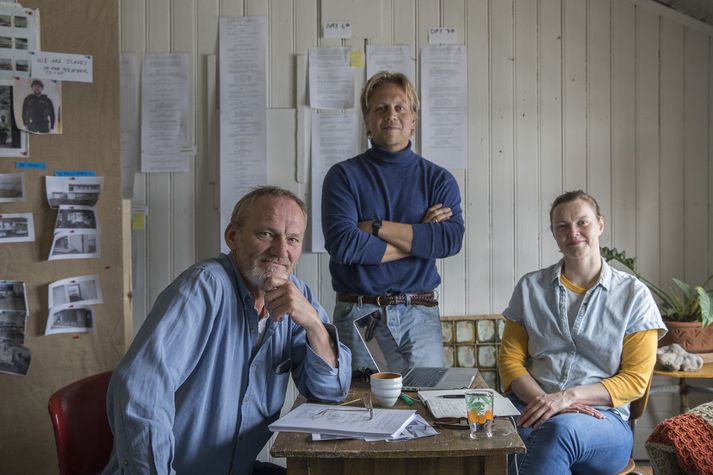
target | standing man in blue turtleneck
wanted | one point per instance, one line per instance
(387, 215)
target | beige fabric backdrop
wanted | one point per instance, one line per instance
(90, 142)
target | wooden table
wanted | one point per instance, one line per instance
(450, 452)
(683, 387)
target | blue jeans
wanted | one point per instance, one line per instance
(416, 329)
(574, 443)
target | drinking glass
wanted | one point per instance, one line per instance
(479, 407)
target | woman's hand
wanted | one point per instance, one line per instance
(545, 406)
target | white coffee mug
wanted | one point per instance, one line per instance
(386, 388)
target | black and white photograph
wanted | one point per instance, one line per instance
(74, 191)
(70, 320)
(82, 290)
(12, 325)
(13, 142)
(14, 358)
(19, 28)
(12, 295)
(38, 105)
(17, 227)
(75, 245)
(75, 217)
(12, 187)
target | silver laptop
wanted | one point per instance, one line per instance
(384, 352)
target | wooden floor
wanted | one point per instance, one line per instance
(644, 470)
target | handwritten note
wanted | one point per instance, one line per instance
(61, 66)
(442, 36)
(337, 29)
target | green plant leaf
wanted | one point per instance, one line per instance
(688, 292)
(706, 306)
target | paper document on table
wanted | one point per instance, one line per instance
(417, 428)
(455, 407)
(344, 420)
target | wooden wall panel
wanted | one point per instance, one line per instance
(695, 156)
(599, 108)
(648, 242)
(574, 89)
(501, 153)
(671, 148)
(623, 184)
(550, 125)
(527, 159)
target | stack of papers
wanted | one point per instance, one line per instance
(418, 427)
(455, 407)
(348, 421)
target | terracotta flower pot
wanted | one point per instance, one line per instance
(690, 335)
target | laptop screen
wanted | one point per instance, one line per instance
(380, 343)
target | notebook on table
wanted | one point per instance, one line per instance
(384, 352)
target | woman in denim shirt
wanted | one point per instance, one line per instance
(579, 345)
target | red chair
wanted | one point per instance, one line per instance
(81, 429)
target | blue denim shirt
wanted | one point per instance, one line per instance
(618, 305)
(196, 390)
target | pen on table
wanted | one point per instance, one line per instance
(406, 399)
(452, 396)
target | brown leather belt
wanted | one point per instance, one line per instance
(427, 299)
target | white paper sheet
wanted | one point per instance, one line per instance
(333, 140)
(342, 420)
(394, 59)
(62, 66)
(129, 120)
(331, 80)
(443, 407)
(164, 112)
(243, 103)
(444, 105)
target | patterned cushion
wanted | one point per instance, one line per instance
(689, 436)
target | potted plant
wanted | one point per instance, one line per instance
(686, 310)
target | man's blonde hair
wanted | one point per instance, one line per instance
(384, 77)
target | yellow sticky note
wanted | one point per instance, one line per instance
(138, 221)
(356, 59)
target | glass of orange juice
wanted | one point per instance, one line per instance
(479, 406)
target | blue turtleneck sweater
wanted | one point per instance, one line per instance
(389, 186)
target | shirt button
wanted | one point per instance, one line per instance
(252, 330)
(125, 462)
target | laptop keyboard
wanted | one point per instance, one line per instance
(424, 377)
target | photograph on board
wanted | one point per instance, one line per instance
(38, 105)
(13, 142)
(12, 325)
(14, 358)
(74, 244)
(74, 191)
(81, 290)
(17, 227)
(70, 320)
(12, 187)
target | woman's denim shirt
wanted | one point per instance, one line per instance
(618, 305)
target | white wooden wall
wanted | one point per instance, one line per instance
(612, 96)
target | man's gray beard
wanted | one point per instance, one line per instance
(257, 275)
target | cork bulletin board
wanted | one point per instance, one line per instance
(90, 141)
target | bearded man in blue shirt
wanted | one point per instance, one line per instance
(207, 372)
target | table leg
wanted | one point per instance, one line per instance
(683, 393)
